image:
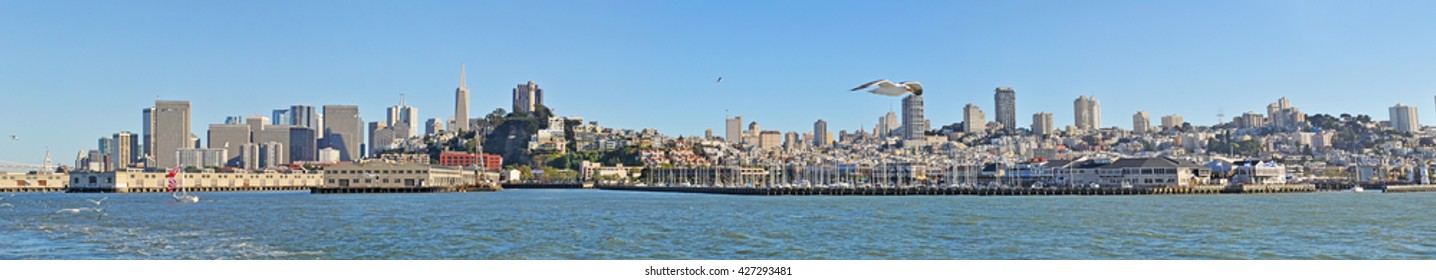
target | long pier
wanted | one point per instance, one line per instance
(1251, 189)
(517, 186)
(188, 189)
(31, 189)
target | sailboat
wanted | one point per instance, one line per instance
(181, 195)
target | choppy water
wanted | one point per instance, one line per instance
(592, 224)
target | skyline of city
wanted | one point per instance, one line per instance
(769, 97)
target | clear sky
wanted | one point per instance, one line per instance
(74, 71)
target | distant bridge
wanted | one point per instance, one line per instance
(6, 165)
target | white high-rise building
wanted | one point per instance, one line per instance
(887, 124)
(1042, 123)
(914, 125)
(461, 104)
(405, 116)
(733, 132)
(527, 97)
(1171, 122)
(1088, 113)
(1403, 118)
(973, 119)
(1141, 122)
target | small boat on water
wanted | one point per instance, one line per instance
(1357, 189)
(181, 195)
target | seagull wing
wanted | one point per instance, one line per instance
(914, 87)
(877, 82)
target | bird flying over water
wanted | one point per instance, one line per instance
(885, 87)
(97, 202)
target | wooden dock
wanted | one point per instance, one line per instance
(188, 189)
(518, 186)
(1249, 189)
(355, 190)
(31, 189)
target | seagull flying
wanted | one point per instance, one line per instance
(97, 202)
(720, 80)
(885, 87)
(15, 137)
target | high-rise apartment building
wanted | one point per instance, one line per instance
(1088, 113)
(820, 129)
(1006, 108)
(914, 125)
(733, 130)
(527, 97)
(1403, 118)
(1042, 123)
(1141, 122)
(973, 119)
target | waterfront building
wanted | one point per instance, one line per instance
(231, 138)
(1141, 123)
(1136, 172)
(1088, 113)
(135, 181)
(381, 174)
(171, 130)
(1006, 108)
(483, 161)
(124, 150)
(1403, 118)
(1042, 123)
(914, 125)
(1171, 122)
(820, 130)
(527, 97)
(35, 181)
(733, 132)
(342, 130)
(461, 104)
(973, 120)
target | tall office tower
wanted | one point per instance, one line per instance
(914, 125)
(734, 130)
(125, 149)
(1006, 108)
(973, 120)
(461, 104)
(405, 116)
(1171, 122)
(527, 97)
(1403, 118)
(1088, 113)
(298, 142)
(256, 124)
(230, 138)
(343, 130)
(279, 116)
(820, 129)
(147, 139)
(305, 116)
(171, 131)
(1042, 123)
(1141, 123)
(433, 126)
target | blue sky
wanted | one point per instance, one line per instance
(74, 71)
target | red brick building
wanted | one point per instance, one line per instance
(487, 161)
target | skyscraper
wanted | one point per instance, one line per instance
(1403, 118)
(820, 130)
(171, 131)
(1141, 122)
(887, 124)
(124, 150)
(380, 137)
(343, 130)
(1042, 123)
(973, 120)
(733, 132)
(461, 104)
(914, 124)
(1088, 113)
(305, 116)
(434, 125)
(256, 124)
(1006, 108)
(279, 116)
(404, 118)
(527, 97)
(147, 138)
(231, 138)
